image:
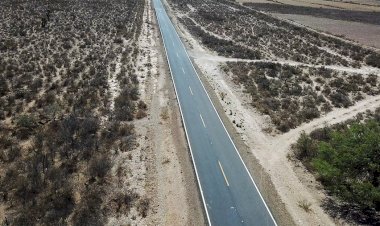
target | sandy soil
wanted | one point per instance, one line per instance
(366, 34)
(290, 182)
(362, 5)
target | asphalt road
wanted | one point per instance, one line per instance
(229, 194)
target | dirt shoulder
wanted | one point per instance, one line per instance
(171, 180)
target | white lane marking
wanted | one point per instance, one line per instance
(184, 123)
(224, 175)
(191, 91)
(183, 70)
(241, 159)
(202, 121)
(177, 54)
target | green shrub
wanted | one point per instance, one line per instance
(346, 161)
(305, 148)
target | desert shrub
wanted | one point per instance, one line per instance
(142, 105)
(340, 99)
(372, 79)
(285, 125)
(310, 113)
(99, 166)
(305, 148)
(26, 121)
(89, 212)
(140, 114)
(321, 134)
(124, 105)
(85, 217)
(3, 86)
(25, 218)
(10, 154)
(373, 60)
(58, 206)
(26, 125)
(143, 207)
(272, 103)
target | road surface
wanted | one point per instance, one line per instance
(229, 194)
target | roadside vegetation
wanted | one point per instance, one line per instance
(58, 130)
(345, 159)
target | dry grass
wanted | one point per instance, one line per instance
(305, 205)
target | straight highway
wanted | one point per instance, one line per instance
(229, 194)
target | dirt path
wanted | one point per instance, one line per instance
(210, 57)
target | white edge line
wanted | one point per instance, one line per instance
(274, 221)
(183, 120)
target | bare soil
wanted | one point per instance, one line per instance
(365, 5)
(366, 34)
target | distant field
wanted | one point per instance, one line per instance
(336, 14)
(367, 34)
(352, 18)
(358, 5)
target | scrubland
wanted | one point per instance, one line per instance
(68, 95)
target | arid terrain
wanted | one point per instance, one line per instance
(275, 79)
(91, 131)
(354, 20)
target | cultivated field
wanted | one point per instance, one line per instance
(351, 30)
(348, 19)
(360, 5)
